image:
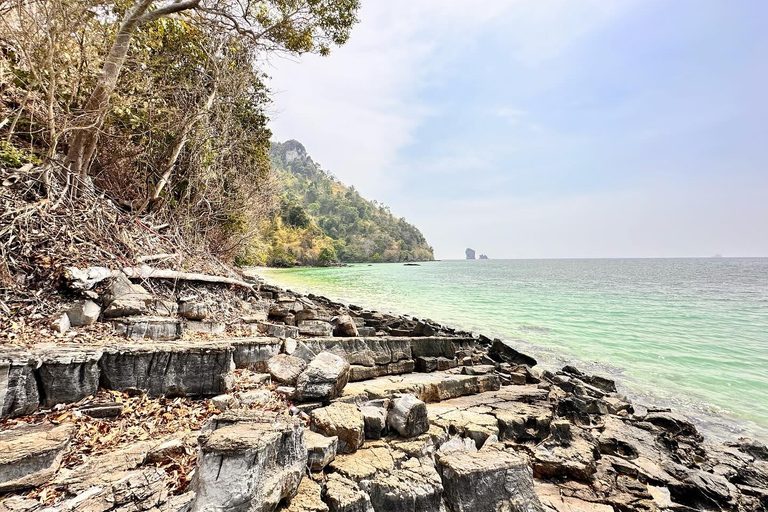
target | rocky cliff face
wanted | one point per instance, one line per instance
(470, 254)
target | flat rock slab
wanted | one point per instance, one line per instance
(431, 387)
(250, 465)
(487, 480)
(18, 387)
(375, 457)
(68, 373)
(31, 454)
(152, 327)
(171, 369)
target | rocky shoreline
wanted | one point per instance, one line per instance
(300, 403)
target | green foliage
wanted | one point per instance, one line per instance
(322, 221)
(11, 156)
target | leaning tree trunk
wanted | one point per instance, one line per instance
(83, 145)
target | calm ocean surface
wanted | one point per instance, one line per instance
(691, 334)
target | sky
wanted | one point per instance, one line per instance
(547, 128)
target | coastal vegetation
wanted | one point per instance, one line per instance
(158, 106)
(321, 221)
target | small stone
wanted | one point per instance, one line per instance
(321, 450)
(342, 420)
(60, 323)
(285, 368)
(166, 451)
(375, 419)
(255, 397)
(124, 298)
(408, 416)
(224, 402)
(83, 313)
(287, 392)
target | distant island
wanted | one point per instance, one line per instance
(471, 254)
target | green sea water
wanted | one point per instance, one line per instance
(691, 334)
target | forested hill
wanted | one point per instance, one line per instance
(321, 221)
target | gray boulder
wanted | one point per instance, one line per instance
(124, 298)
(323, 379)
(285, 368)
(487, 481)
(408, 416)
(31, 454)
(343, 325)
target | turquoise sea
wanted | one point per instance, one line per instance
(691, 334)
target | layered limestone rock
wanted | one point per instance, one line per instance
(432, 387)
(18, 387)
(68, 373)
(487, 480)
(250, 465)
(181, 369)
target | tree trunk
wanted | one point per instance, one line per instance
(83, 145)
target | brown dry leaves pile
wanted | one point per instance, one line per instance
(142, 419)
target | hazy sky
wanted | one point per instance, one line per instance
(548, 128)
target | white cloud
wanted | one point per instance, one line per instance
(357, 109)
